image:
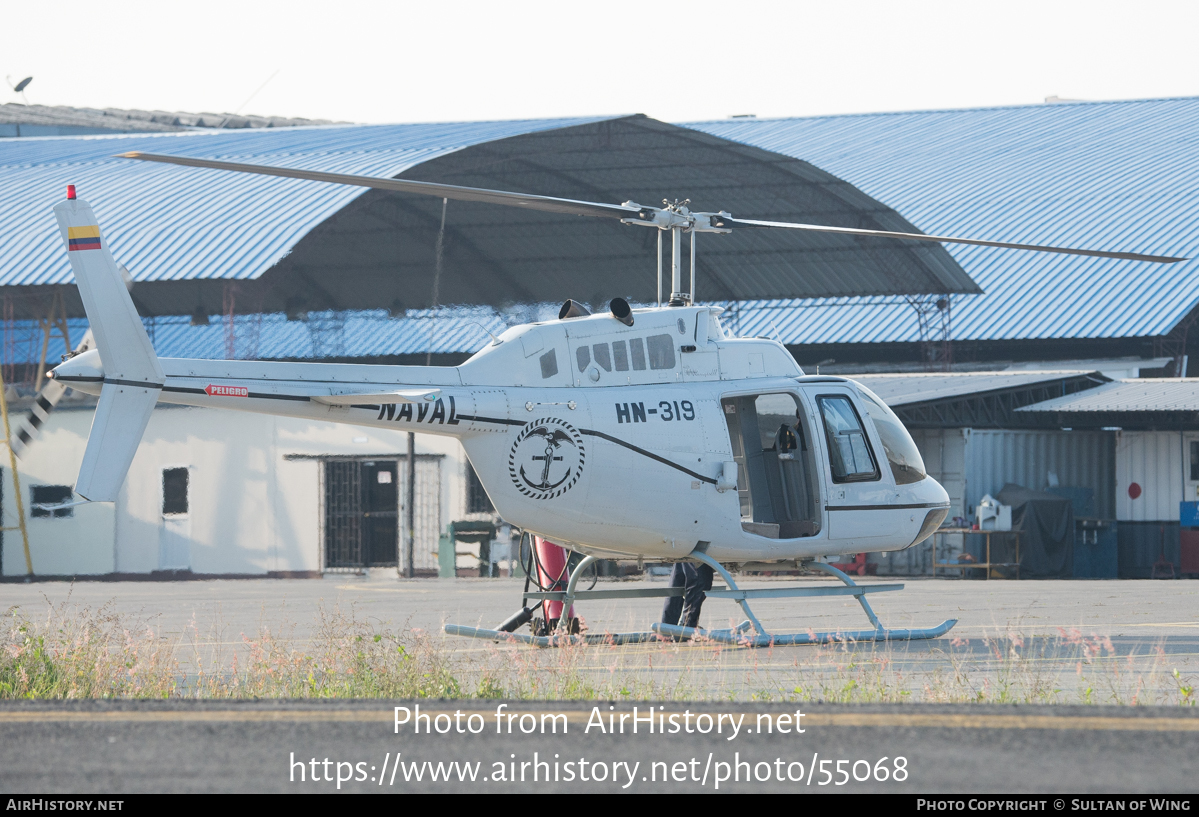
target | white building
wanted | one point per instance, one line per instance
(223, 493)
(1155, 424)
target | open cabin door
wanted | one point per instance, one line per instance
(777, 479)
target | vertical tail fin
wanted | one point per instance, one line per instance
(133, 377)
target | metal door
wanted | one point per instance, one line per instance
(1190, 465)
(858, 485)
(428, 511)
(343, 514)
(174, 537)
(777, 477)
(380, 514)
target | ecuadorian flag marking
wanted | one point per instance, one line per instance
(83, 238)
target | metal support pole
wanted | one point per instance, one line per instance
(692, 266)
(659, 267)
(16, 480)
(728, 579)
(410, 510)
(575, 575)
(676, 262)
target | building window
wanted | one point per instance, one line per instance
(1195, 461)
(477, 500)
(661, 352)
(174, 491)
(549, 364)
(51, 495)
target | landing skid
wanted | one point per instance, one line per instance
(749, 633)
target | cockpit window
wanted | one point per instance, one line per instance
(906, 463)
(602, 356)
(715, 328)
(620, 355)
(549, 364)
(583, 356)
(637, 352)
(849, 450)
(661, 351)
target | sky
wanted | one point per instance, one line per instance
(401, 61)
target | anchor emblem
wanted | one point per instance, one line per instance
(546, 459)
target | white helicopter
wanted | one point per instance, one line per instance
(633, 433)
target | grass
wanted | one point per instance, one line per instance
(76, 652)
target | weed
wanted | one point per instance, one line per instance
(75, 652)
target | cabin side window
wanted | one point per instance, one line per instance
(661, 351)
(620, 356)
(902, 454)
(602, 356)
(549, 364)
(849, 451)
(637, 354)
(583, 358)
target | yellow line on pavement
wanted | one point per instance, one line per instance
(913, 720)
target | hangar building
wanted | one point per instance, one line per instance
(234, 266)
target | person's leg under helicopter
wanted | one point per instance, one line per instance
(695, 579)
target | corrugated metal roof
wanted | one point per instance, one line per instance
(31, 118)
(1106, 175)
(323, 335)
(1143, 394)
(381, 248)
(907, 389)
(221, 225)
(355, 334)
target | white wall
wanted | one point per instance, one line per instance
(251, 510)
(1154, 460)
(81, 543)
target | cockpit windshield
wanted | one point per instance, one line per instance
(904, 457)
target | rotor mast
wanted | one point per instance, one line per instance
(677, 219)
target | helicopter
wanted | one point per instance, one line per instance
(636, 432)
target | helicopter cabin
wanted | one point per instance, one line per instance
(647, 347)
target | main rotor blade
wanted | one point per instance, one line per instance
(547, 204)
(723, 220)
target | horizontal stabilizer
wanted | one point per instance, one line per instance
(358, 398)
(117, 427)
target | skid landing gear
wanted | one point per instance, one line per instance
(749, 633)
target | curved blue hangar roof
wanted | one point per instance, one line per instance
(1103, 175)
(1117, 175)
(300, 246)
(174, 223)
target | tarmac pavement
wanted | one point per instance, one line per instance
(288, 747)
